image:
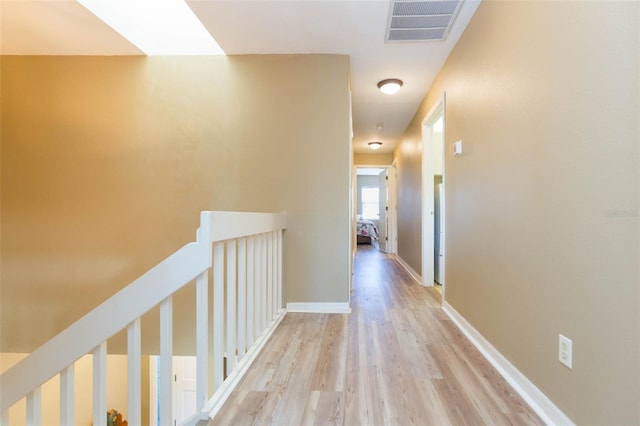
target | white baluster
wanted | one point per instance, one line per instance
(218, 314)
(34, 408)
(242, 297)
(279, 265)
(166, 358)
(264, 289)
(67, 396)
(134, 373)
(258, 289)
(274, 261)
(231, 306)
(269, 297)
(251, 317)
(100, 385)
(202, 339)
(274, 274)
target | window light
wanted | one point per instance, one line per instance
(166, 27)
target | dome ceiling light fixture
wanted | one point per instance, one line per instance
(390, 86)
(375, 145)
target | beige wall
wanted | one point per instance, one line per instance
(107, 162)
(408, 158)
(373, 159)
(542, 208)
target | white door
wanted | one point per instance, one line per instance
(383, 223)
(184, 397)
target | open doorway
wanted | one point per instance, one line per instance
(433, 198)
(376, 207)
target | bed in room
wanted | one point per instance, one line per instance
(366, 231)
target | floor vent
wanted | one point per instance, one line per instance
(421, 20)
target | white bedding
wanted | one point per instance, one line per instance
(367, 228)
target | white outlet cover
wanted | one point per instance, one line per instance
(565, 351)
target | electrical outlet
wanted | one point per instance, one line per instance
(565, 351)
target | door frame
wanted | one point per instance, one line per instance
(428, 196)
(177, 366)
(392, 191)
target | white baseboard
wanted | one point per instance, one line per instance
(533, 396)
(320, 308)
(409, 269)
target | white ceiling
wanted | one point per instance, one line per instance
(352, 27)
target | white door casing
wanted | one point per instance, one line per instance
(383, 224)
(428, 226)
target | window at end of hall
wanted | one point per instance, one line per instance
(370, 203)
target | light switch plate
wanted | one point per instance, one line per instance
(457, 148)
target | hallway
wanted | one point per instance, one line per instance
(396, 359)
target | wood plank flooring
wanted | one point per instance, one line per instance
(395, 360)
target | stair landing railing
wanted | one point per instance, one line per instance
(243, 254)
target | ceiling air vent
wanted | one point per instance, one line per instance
(421, 20)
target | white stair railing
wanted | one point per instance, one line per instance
(243, 252)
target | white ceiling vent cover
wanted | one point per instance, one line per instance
(421, 20)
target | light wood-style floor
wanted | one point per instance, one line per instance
(395, 360)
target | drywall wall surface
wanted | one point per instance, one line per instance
(542, 217)
(108, 161)
(373, 159)
(408, 159)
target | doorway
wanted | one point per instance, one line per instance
(375, 199)
(184, 404)
(433, 198)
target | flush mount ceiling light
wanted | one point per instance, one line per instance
(375, 145)
(390, 86)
